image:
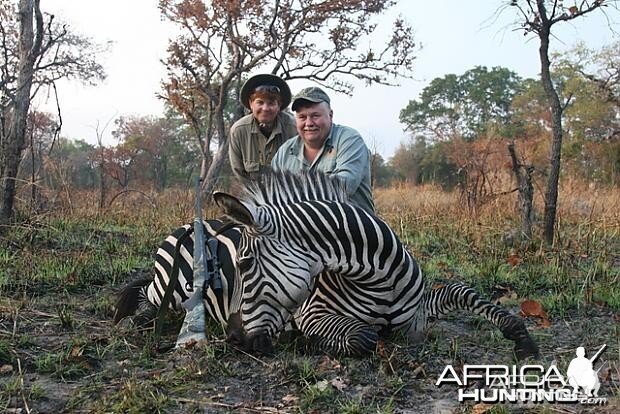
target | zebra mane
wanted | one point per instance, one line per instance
(279, 188)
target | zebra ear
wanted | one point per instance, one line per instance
(234, 208)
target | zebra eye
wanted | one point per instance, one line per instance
(245, 262)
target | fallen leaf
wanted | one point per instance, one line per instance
(123, 362)
(514, 260)
(419, 372)
(328, 364)
(339, 384)
(289, 399)
(190, 344)
(532, 308)
(381, 351)
(544, 323)
(480, 408)
(321, 385)
(76, 351)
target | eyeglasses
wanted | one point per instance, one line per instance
(267, 88)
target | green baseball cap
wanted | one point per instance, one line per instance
(312, 94)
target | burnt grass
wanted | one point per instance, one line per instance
(60, 352)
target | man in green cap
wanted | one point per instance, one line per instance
(324, 146)
(255, 138)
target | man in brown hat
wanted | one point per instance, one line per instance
(255, 138)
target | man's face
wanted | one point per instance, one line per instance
(265, 109)
(313, 123)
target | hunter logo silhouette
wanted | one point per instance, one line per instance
(581, 373)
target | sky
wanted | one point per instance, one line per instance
(454, 36)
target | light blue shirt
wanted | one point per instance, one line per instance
(344, 154)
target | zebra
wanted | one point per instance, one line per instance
(301, 260)
(144, 295)
(310, 260)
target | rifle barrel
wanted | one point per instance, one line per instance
(595, 357)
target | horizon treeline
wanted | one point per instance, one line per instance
(459, 131)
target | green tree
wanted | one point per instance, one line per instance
(69, 164)
(590, 82)
(587, 81)
(407, 160)
(539, 17)
(463, 105)
(382, 172)
(162, 151)
(419, 162)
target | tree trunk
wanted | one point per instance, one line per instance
(14, 142)
(214, 170)
(102, 188)
(526, 192)
(551, 194)
(209, 179)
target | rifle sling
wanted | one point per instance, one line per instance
(172, 282)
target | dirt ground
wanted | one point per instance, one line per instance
(70, 358)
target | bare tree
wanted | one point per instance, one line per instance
(221, 41)
(539, 17)
(35, 51)
(523, 175)
(14, 141)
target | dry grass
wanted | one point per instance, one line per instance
(576, 201)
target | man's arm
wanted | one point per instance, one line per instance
(277, 162)
(352, 162)
(234, 153)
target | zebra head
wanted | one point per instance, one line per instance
(275, 269)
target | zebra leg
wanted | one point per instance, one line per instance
(457, 296)
(338, 334)
(133, 300)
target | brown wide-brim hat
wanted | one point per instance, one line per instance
(265, 79)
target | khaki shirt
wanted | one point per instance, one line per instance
(250, 150)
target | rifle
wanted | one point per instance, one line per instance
(193, 328)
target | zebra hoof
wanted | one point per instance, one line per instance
(525, 347)
(516, 331)
(260, 344)
(364, 342)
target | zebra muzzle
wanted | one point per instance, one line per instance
(235, 332)
(257, 343)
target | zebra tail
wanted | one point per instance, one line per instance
(131, 298)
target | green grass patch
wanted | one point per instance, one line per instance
(73, 255)
(579, 272)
